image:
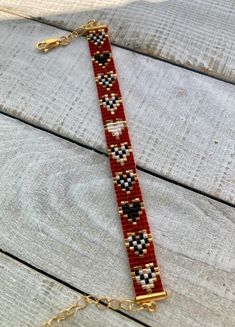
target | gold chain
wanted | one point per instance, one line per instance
(101, 303)
(64, 40)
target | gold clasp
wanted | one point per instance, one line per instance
(48, 44)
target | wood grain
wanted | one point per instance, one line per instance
(58, 213)
(196, 34)
(181, 123)
(28, 299)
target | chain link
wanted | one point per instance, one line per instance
(102, 303)
(64, 40)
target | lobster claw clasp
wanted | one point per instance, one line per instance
(48, 44)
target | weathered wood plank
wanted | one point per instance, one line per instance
(28, 299)
(181, 123)
(54, 216)
(196, 34)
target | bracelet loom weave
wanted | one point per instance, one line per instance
(138, 240)
(144, 269)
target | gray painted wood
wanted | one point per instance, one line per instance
(196, 34)
(181, 123)
(28, 299)
(58, 213)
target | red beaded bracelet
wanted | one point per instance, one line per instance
(137, 236)
(143, 264)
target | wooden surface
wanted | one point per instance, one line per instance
(186, 133)
(54, 217)
(28, 298)
(60, 235)
(197, 34)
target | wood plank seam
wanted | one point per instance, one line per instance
(216, 77)
(188, 155)
(105, 154)
(50, 279)
(194, 234)
(58, 280)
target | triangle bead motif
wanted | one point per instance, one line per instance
(97, 37)
(146, 277)
(125, 180)
(131, 210)
(106, 80)
(120, 152)
(102, 59)
(138, 242)
(115, 127)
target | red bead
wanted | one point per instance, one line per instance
(116, 133)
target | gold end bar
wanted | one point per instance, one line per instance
(151, 297)
(95, 27)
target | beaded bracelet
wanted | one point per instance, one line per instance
(137, 236)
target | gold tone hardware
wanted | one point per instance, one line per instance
(49, 44)
(102, 303)
(98, 26)
(151, 297)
